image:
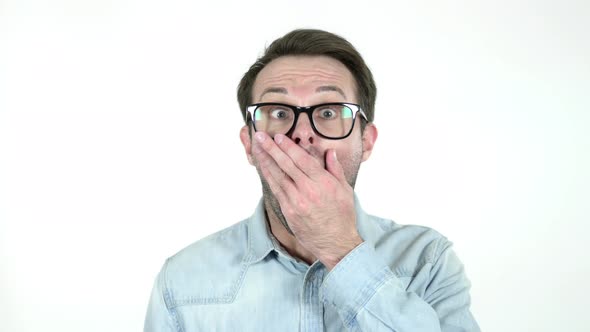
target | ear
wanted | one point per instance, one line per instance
(369, 137)
(247, 143)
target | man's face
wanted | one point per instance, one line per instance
(306, 81)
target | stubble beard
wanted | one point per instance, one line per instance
(351, 168)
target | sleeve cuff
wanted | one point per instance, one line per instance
(354, 281)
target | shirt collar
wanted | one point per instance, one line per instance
(259, 237)
(260, 242)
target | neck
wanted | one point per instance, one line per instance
(288, 241)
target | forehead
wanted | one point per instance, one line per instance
(305, 76)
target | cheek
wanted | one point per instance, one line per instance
(350, 157)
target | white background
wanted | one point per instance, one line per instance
(119, 145)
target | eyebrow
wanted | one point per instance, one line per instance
(272, 90)
(323, 88)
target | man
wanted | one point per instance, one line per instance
(309, 258)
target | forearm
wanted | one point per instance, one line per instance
(369, 297)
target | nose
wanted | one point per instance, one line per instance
(303, 133)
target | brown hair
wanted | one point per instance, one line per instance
(314, 42)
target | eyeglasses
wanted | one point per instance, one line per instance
(331, 121)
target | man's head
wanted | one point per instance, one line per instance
(306, 68)
(314, 43)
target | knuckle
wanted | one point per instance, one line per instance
(313, 195)
(309, 161)
(281, 159)
(302, 207)
(286, 164)
(288, 212)
(327, 185)
(264, 161)
(264, 170)
(268, 146)
(271, 182)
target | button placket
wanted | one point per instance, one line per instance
(311, 307)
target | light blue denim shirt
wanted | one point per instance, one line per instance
(401, 278)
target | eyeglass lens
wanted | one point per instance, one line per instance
(329, 120)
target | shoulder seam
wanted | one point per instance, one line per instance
(441, 244)
(168, 297)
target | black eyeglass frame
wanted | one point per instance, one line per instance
(250, 109)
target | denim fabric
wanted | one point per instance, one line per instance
(401, 278)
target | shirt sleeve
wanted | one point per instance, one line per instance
(159, 317)
(369, 297)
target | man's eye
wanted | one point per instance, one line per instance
(327, 113)
(280, 114)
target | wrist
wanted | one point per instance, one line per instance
(340, 251)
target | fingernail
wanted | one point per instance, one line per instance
(259, 137)
(334, 153)
(279, 138)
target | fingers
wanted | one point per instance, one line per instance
(277, 179)
(295, 160)
(334, 166)
(275, 186)
(297, 163)
(283, 160)
(304, 161)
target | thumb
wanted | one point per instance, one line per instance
(333, 165)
